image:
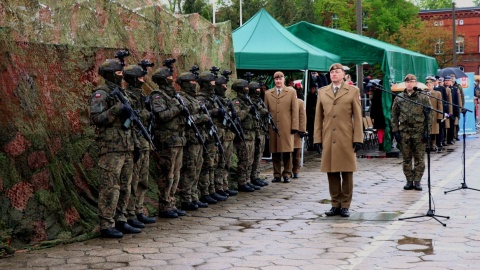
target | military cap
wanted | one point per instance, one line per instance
(278, 74)
(410, 77)
(441, 79)
(239, 84)
(447, 78)
(453, 75)
(336, 66)
(430, 78)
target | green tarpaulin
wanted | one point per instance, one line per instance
(263, 44)
(353, 48)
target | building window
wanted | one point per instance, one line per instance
(435, 23)
(439, 46)
(364, 20)
(335, 23)
(441, 23)
(460, 48)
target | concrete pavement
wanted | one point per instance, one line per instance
(283, 226)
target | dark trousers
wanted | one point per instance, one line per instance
(451, 131)
(341, 188)
(440, 136)
(277, 164)
(296, 156)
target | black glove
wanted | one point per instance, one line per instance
(439, 121)
(397, 137)
(357, 146)
(318, 147)
(253, 109)
(221, 112)
(293, 131)
(424, 138)
(136, 154)
(301, 134)
(184, 111)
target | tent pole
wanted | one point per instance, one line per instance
(305, 99)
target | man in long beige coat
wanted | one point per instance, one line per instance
(281, 102)
(436, 101)
(297, 138)
(338, 132)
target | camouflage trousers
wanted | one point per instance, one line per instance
(169, 160)
(192, 165)
(139, 185)
(206, 183)
(413, 151)
(257, 156)
(221, 173)
(115, 182)
(245, 153)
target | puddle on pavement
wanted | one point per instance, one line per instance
(416, 245)
(365, 216)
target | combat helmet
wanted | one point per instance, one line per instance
(107, 70)
(239, 85)
(131, 74)
(160, 76)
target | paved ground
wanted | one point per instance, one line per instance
(283, 227)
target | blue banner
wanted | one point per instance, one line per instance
(467, 84)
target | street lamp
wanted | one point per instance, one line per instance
(454, 35)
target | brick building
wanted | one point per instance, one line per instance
(467, 31)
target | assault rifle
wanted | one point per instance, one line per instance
(133, 116)
(145, 64)
(191, 122)
(228, 121)
(214, 132)
(255, 111)
(236, 120)
(270, 119)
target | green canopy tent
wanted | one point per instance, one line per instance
(264, 44)
(353, 48)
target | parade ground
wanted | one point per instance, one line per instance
(283, 226)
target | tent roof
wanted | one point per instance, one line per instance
(353, 48)
(263, 44)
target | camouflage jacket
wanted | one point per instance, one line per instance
(242, 108)
(200, 119)
(169, 123)
(408, 115)
(226, 133)
(138, 103)
(262, 126)
(207, 100)
(112, 136)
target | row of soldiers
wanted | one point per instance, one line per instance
(191, 134)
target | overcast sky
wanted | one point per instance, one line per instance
(464, 3)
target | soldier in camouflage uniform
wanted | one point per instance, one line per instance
(169, 140)
(208, 184)
(116, 144)
(410, 128)
(223, 167)
(135, 77)
(261, 130)
(245, 151)
(193, 150)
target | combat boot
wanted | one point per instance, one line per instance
(110, 233)
(189, 206)
(408, 186)
(135, 223)
(168, 214)
(200, 204)
(218, 197)
(208, 199)
(245, 188)
(179, 212)
(125, 228)
(418, 186)
(255, 187)
(222, 193)
(231, 192)
(145, 220)
(257, 182)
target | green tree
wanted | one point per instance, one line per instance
(305, 11)
(231, 12)
(201, 7)
(283, 11)
(433, 4)
(339, 13)
(476, 2)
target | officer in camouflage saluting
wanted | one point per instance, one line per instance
(116, 145)
(410, 126)
(134, 75)
(169, 140)
(245, 150)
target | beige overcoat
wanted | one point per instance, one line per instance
(284, 110)
(338, 124)
(436, 102)
(450, 107)
(302, 123)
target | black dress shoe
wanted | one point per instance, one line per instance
(255, 187)
(265, 183)
(218, 197)
(408, 186)
(222, 193)
(451, 143)
(457, 138)
(245, 188)
(344, 212)
(257, 182)
(276, 180)
(110, 233)
(333, 212)
(125, 228)
(231, 192)
(146, 220)
(179, 212)
(208, 199)
(135, 223)
(295, 175)
(286, 179)
(168, 214)
(200, 204)
(418, 186)
(189, 206)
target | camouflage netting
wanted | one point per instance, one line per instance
(49, 56)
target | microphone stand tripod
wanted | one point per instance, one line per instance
(426, 112)
(464, 112)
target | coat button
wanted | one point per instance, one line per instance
(334, 103)
(334, 116)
